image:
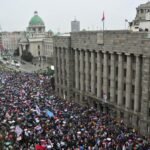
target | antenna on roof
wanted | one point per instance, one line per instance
(35, 13)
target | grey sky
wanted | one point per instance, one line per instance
(57, 14)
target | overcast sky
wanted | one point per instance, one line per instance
(57, 14)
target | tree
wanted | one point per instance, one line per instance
(16, 52)
(27, 56)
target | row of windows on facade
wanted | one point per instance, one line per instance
(36, 29)
(108, 59)
(48, 46)
(124, 70)
(63, 78)
(109, 65)
(64, 82)
(64, 74)
(143, 11)
(62, 55)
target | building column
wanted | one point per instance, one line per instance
(81, 71)
(120, 79)
(81, 75)
(59, 71)
(63, 71)
(128, 82)
(20, 50)
(68, 72)
(137, 85)
(99, 74)
(92, 72)
(63, 67)
(105, 76)
(76, 69)
(145, 94)
(87, 70)
(112, 78)
(56, 68)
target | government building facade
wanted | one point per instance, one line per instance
(36, 40)
(107, 70)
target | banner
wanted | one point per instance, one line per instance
(49, 113)
(18, 130)
(38, 110)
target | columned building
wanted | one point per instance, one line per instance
(36, 40)
(142, 19)
(1, 44)
(10, 40)
(109, 71)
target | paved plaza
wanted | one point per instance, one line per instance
(37, 66)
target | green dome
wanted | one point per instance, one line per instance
(36, 20)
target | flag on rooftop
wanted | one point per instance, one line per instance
(103, 17)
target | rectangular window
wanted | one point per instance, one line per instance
(132, 104)
(124, 101)
(125, 58)
(116, 98)
(133, 88)
(124, 87)
(116, 71)
(141, 10)
(125, 72)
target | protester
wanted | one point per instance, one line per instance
(31, 117)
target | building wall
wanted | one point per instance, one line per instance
(48, 47)
(38, 43)
(1, 44)
(75, 26)
(10, 40)
(36, 48)
(111, 75)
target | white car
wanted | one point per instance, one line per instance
(7, 62)
(17, 64)
(12, 63)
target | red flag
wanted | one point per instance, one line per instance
(103, 17)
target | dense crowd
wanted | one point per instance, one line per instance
(31, 117)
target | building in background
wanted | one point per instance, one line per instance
(1, 44)
(36, 40)
(75, 26)
(10, 40)
(107, 70)
(142, 19)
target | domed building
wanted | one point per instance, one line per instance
(36, 40)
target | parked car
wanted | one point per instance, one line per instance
(12, 63)
(17, 64)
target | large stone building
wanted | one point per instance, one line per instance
(109, 71)
(142, 19)
(10, 40)
(36, 40)
(1, 44)
(75, 26)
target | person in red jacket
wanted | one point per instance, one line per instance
(39, 147)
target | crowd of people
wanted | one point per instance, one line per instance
(31, 117)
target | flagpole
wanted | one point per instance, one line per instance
(103, 30)
(103, 19)
(103, 25)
